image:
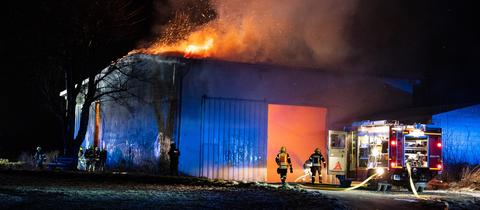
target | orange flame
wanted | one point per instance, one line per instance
(199, 50)
(199, 44)
(194, 50)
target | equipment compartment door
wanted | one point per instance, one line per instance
(337, 154)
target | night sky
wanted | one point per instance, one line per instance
(436, 41)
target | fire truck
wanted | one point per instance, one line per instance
(382, 150)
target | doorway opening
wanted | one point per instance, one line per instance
(300, 129)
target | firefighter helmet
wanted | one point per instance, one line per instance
(317, 150)
(39, 148)
(283, 149)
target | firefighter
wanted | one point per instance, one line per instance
(39, 158)
(102, 159)
(174, 154)
(81, 160)
(283, 162)
(96, 155)
(90, 159)
(317, 160)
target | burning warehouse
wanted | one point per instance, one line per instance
(228, 119)
(267, 104)
(231, 114)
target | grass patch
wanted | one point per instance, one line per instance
(462, 176)
(6, 164)
(470, 179)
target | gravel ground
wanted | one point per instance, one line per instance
(430, 199)
(74, 190)
(53, 190)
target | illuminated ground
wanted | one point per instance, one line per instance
(51, 190)
(400, 198)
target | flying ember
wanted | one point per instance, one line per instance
(199, 44)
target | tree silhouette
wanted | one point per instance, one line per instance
(85, 36)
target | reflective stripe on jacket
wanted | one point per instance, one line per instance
(316, 159)
(283, 160)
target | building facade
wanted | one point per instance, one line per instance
(230, 119)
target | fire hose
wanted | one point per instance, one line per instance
(350, 188)
(361, 184)
(409, 169)
(302, 177)
(379, 172)
(412, 186)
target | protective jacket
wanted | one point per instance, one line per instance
(317, 159)
(283, 160)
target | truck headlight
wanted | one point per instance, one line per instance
(380, 171)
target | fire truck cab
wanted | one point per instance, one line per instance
(384, 148)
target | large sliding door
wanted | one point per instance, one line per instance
(233, 139)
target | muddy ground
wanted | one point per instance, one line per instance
(73, 190)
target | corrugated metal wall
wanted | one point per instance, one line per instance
(233, 139)
(460, 135)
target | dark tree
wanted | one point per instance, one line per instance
(89, 35)
(50, 46)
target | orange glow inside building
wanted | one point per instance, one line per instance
(300, 129)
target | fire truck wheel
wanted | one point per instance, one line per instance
(420, 189)
(384, 186)
(408, 188)
(373, 185)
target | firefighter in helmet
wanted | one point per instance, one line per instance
(283, 162)
(102, 159)
(174, 155)
(81, 160)
(90, 158)
(39, 158)
(317, 160)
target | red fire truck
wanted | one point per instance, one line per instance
(384, 148)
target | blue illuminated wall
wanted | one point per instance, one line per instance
(461, 135)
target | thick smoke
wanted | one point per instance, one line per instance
(291, 32)
(295, 32)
